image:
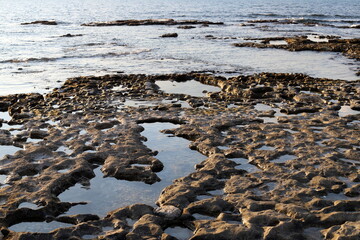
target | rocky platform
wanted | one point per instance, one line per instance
(349, 47)
(141, 22)
(282, 161)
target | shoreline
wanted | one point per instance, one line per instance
(285, 126)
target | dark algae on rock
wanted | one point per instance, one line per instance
(299, 133)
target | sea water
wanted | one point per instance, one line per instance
(36, 58)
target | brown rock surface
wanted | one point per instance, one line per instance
(282, 173)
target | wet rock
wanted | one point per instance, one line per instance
(352, 154)
(76, 219)
(146, 227)
(20, 116)
(263, 218)
(279, 200)
(256, 206)
(221, 230)
(38, 134)
(168, 212)
(241, 184)
(296, 212)
(347, 46)
(284, 230)
(169, 35)
(308, 98)
(352, 191)
(41, 22)
(151, 22)
(179, 195)
(327, 183)
(213, 206)
(135, 211)
(4, 105)
(348, 230)
(69, 35)
(104, 125)
(355, 105)
(186, 27)
(338, 218)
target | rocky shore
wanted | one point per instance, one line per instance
(349, 47)
(165, 21)
(283, 159)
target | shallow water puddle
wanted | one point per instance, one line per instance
(3, 179)
(193, 88)
(29, 205)
(89, 236)
(130, 222)
(262, 107)
(290, 131)
(351, 162)
(269, 119)
(119, 88)
(174, 152)
(63, 170)
(141, 103)
(346, 111)
(203, 197)
(348, 182)
(179, 232)
(8, 150)
(218, 192)
(352, 123)
(33, 140)
(65, 149)
(265, 107)
(284, 158)
(223, 147)
(322, 142)
(271, 185)
(5, 116)
(310, 92)
(199, 216)
(11, 128)
(338, 196)
(317, 129)
(313, 233)
(106, 194)
(317, 38)
(265, 147)
(40, 227)
(278, 42)
(245, 165)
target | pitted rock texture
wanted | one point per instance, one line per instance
(281, 162)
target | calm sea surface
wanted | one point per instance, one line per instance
(35, 58)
